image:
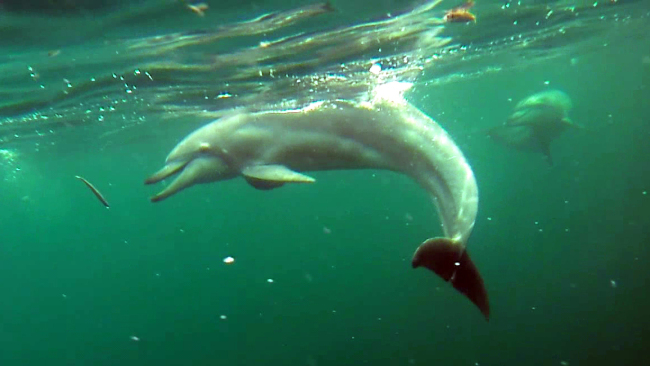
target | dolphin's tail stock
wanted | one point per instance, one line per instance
(449, 260)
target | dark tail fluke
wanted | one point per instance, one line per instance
(450, 261)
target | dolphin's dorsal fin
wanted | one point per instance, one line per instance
(273, 176)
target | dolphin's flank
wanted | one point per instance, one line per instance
(273, 148)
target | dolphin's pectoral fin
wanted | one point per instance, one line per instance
(450, 261)
(267, 177)
(263, 185)
(569, 123)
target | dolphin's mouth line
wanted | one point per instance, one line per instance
(167, 171)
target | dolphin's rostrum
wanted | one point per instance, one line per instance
(272, 148)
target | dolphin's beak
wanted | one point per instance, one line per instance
(199, 170)
(167, 171)
(184, 180)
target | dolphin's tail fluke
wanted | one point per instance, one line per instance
(449, 260)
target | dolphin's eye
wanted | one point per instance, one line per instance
(204, 147)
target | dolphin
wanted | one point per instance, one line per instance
(272, 148)
(535, 122)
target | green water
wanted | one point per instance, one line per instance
(322, 272)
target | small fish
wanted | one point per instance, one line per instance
(94, 190)
(199, 9)
(460, 14)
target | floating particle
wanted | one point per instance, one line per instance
(326, 230)
(564, 363)
(644, 193)
(270, 280)
(135, 339)
(375, 69)
(489, 219)
(612, 283)
(408, 217)
(64, 296)
(547, 82)
(223, 317)
(229, 260)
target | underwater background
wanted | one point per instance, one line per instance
(321, 273)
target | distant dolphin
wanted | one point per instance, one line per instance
(271, 148)
(535, 122)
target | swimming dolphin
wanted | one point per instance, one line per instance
(271, 148)
(535, 122)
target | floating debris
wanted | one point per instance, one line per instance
(97, 194)
(199, 9)
(135, 339)
(229, 260)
